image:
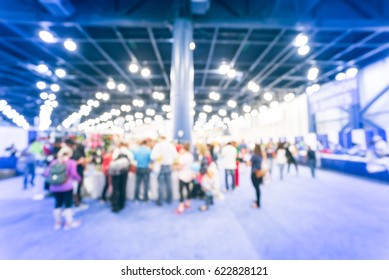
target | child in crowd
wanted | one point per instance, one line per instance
(209, 185)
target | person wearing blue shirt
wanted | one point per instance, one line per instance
(256, 165)
(142, 157)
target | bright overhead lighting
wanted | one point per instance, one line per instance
(70, 45)
(138, 115)
(96, 103)
(166, 108)
(300, 40)
(214, 96)
(231, 103)
(246, 108)
(52, 96)
(268, 96)
(134, 68)
(207, 108)
(351, 72)
(254, 87)
(46, 36)
(263, 108)
(121, 87)
(231, 73)
(99, 95)
(111, 84)
(289, 97)
(42, 68)
(3, 103)
(203, 115)
(222, 112)
(312, 73)
(303, 50)
(234, 115)
(47, 103)
(315, 87)
(148, 120)
(193, 103)
(105, 96)
(340, 76)
(192, 46)
(254, 112)
(150, 112)
(54, 104)
(274, 104)
(60, 73)
(224, 68)
(145, 72)
(55, 87)
(41, 85)
(90, 102)
(44, 95)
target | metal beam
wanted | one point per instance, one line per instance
(210, 55)
(158, 55)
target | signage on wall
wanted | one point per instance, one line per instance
(335, 94)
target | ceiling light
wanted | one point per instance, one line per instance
(145, 72)
(289, 97)
(46, 36)
(254, 87)
(214, 95)
(315, 87)
(303, 50)
(274, 104)
(352, 72)
(234, 115)
(192, 46)
(150, 112)
(52, 96)
(96, 103)
(90, 102)
(246, 108)
(148, 120)
(263, 108)
(99, 95)
(222, 112)
(300, 40)
(42, 68)
(268, 96)
(141, 103)
(158, 118)
(134, 68)
(224, 68)
(231, 103)
(166, 108)
(231, 73)
(312, 73)
(60, 73)
(47, 103)
(121, 87)
(105, 96)
(41, 85)
(44, 95)
(3, 103)
(55, 87)
(254, 112)
(193, 103)
(111, 84)
(340, 76)
(70, 45)
(207, 108)
(54, 104)
(138, 115)
(203, 115)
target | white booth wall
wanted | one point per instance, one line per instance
(288, 120)
(374, 79)
(12, 135)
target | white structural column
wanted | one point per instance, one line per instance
(182, 76)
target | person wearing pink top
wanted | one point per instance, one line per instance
(63, 193)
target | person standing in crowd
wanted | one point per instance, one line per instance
(28, 159)
(164, 153)
(80, 157)
(311, 161)
(118, 169)
(290, 158)
(270, 154)
(107, 158)
(257, 174)
(61, 174)
(229, 155)
(142, 158)
(281, 159)
(185, 176)
(209, 185)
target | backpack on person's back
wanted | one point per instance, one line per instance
(57, 173)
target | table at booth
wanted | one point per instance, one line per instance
(94, 181)
(352, 165)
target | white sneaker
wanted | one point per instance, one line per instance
(74, 224)
(81, 207)
(57, 226)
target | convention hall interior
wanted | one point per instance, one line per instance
(194, 130)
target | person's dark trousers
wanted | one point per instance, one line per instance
(63, 198)
(78, 197)
(196, 191)
(256, 183)
(184, 185)
(292, 161)
(29, 171)
(312, 165)
(105, 189)
(208, 198)
(165, 179)
(119, 183)
(142, 175)
(230, 172)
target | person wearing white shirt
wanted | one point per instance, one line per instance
(229, 154)
(185, 176)
(164, 153)
(281, 158)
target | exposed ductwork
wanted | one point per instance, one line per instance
(59, 8)
(199, 7)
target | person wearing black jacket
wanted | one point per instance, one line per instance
(311, 161)
(291, 159)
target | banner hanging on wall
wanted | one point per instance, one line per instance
(335, 94)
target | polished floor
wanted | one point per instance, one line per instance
(334, 216)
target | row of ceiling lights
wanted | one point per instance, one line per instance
(13, 115)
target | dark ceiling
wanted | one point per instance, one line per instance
(254, 37)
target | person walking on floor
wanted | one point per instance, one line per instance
(61, 175)
(28, 161)
(311, 161)
(142, 157)
(107, 158)
(281, 159)
(290, 158)
(164, 153)
(257, 174)
(185, 177)
(229, 155)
